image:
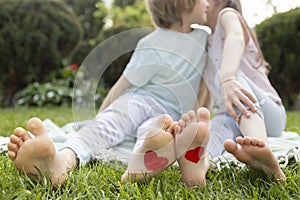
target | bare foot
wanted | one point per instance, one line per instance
(155, 154)
(255, 153)
(190, 147)
(36, 155)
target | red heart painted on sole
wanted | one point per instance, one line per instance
(194, 155)
(153, 162)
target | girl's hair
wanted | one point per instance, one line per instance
(236, 4)
(166, 12)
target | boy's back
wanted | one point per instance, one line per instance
(168, 65)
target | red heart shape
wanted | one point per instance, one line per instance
(153, 162)
(194, 155)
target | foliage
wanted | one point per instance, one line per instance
(126, 15)
(91, 14)
(58, 91)
(37, 94)
(82, 50)
(35, 37)
(123, 20)
(134, 16)
(123, 3)
(107, 44)
(279, 38)
(115, 69)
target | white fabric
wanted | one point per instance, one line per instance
(285, 148)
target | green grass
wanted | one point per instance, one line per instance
(13, 117)
(101, 181)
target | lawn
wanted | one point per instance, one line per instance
(101, 181)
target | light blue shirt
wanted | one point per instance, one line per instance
(168, 66)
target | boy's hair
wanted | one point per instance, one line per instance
(166, 12)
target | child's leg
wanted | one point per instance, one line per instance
(110, 126)
(269, 119)
(253, 149)
(154, 150)
(190, 147)
(274, 114)
(37, 156)
(253, 126)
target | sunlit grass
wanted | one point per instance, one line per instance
(101, 181)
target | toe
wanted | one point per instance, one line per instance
(181, 123)
(12, 147)
(16, 140)
(35, 126)
(254, 141)
(22, 134)
(192, 115)
(257, 142)
(177, 128)
(172, 128)
(261, 143)
(203, 115)
(240, 140)
(164, 122)
(230, 146)
(186, 118)
(247, 140)
(11, 155)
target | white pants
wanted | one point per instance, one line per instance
(131, 114)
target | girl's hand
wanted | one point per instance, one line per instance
(235, 95)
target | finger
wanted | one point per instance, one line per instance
(238, 103)
(242, 108)
(247, 102)
(251, 100)
(231, 112)
(247, 98)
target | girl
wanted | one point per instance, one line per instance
(245, 102)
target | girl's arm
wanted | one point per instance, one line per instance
(119, 87)
(233, 92)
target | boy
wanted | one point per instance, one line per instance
(162, 77)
